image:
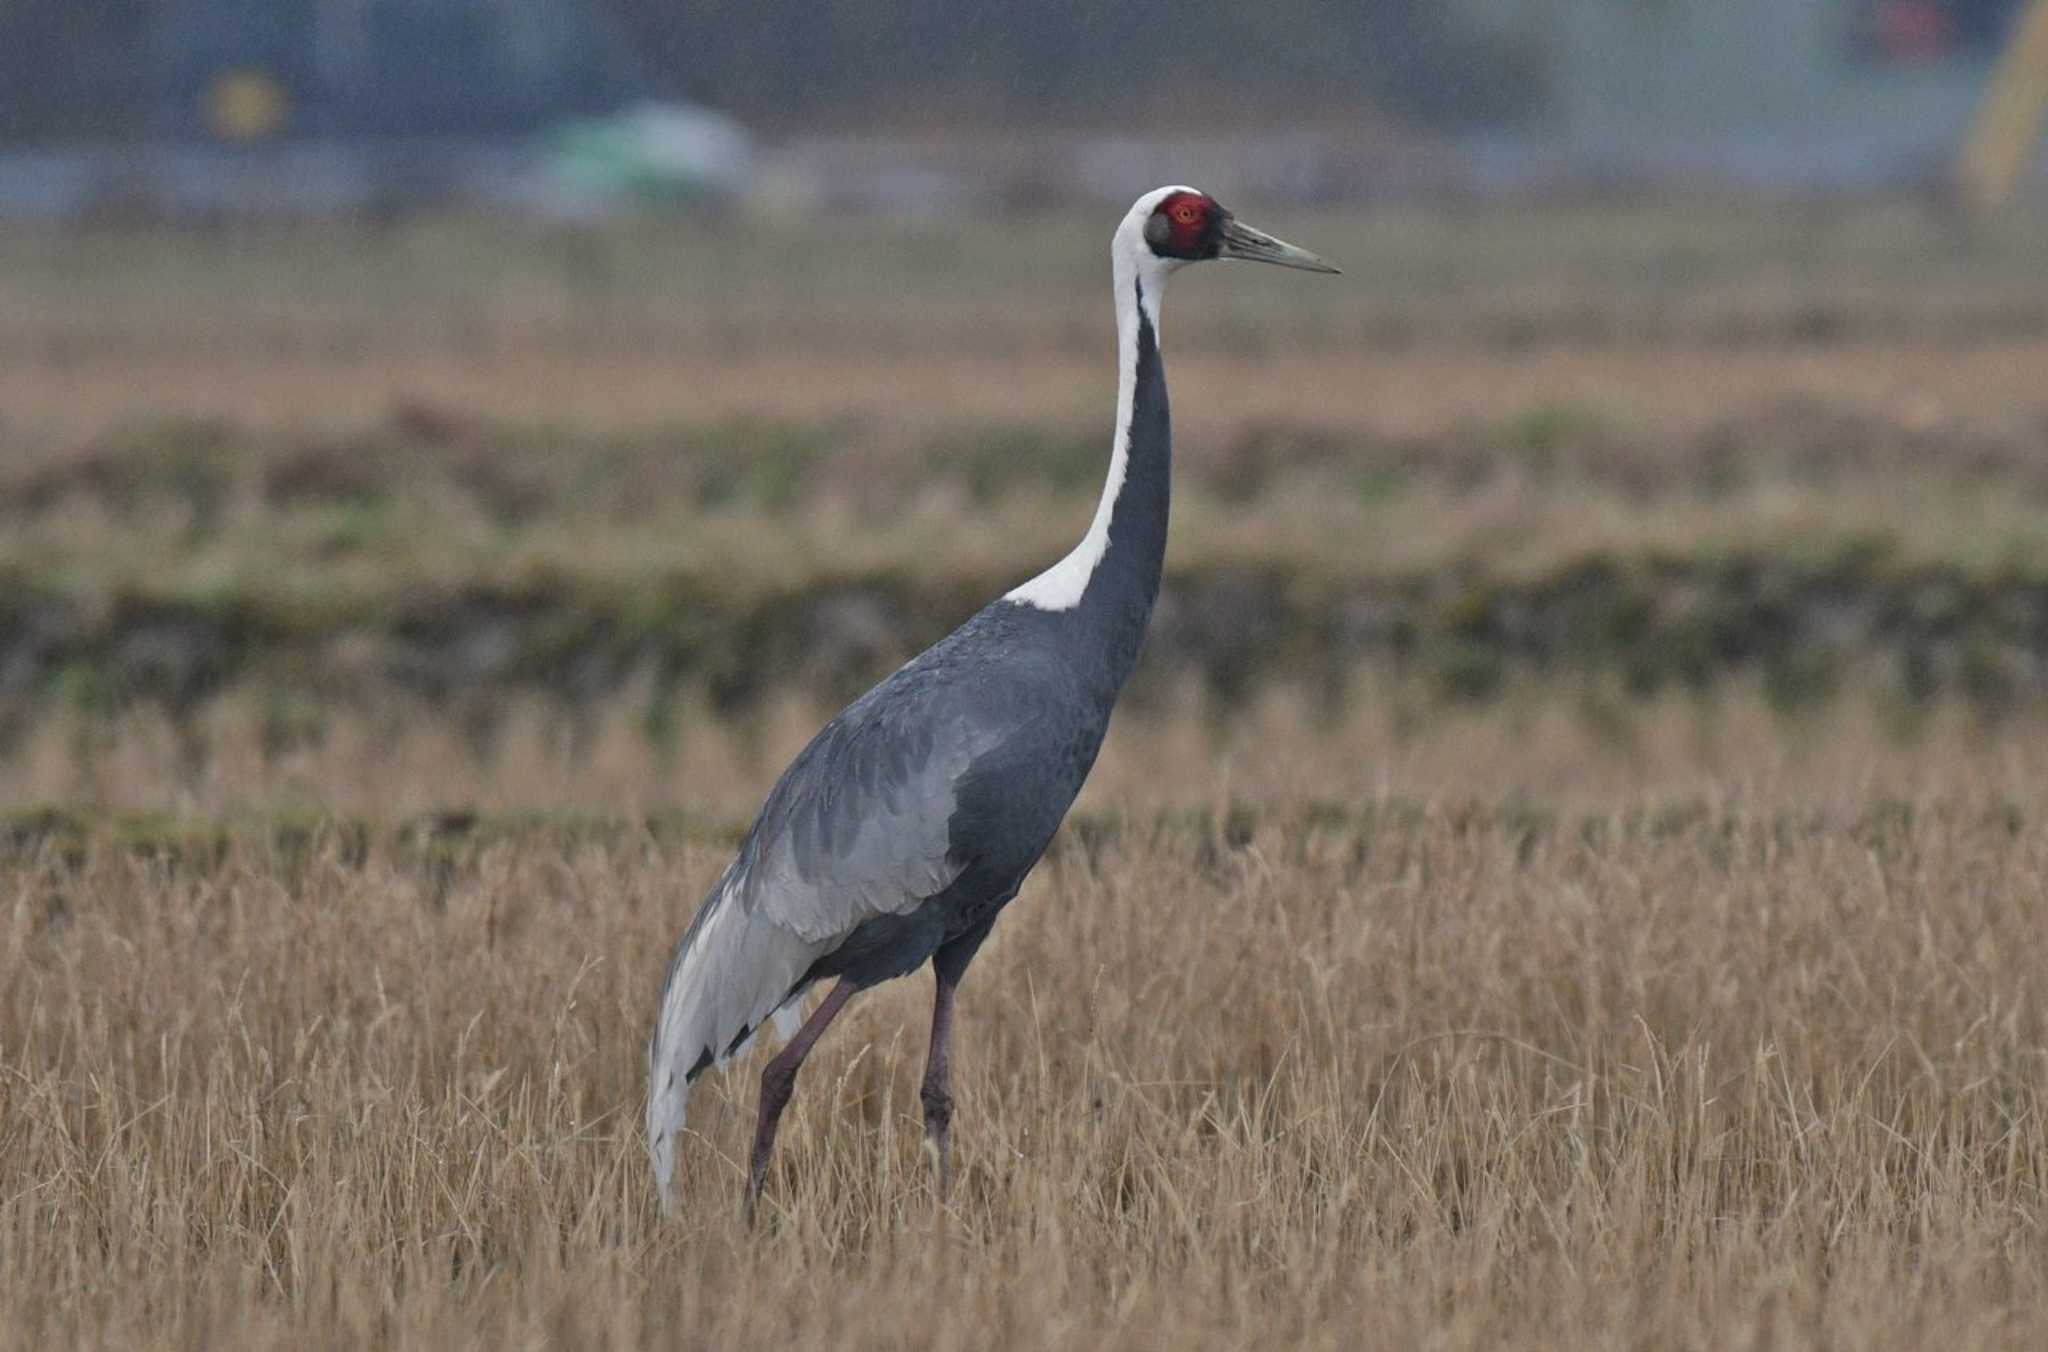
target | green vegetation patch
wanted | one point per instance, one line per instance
(454, 559)
(1927, 632)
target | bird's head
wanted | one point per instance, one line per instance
(1177, 226)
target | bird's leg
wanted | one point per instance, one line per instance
(938, 1099)
(778, 1079)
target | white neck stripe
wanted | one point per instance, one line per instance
(1140, 275)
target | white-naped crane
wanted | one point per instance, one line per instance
(901, 831)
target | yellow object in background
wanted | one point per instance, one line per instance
(246, 105)
(2011, 115)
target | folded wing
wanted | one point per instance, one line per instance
(859, 826)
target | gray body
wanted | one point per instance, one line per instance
(913, 817)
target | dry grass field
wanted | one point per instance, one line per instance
(1438, 1076)
(1572, 872)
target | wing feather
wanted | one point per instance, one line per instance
(859, 826)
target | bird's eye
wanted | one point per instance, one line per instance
(1185, 214)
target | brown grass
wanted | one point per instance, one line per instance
(1574, 746)
(1566, 1021)
(1374, 424)
(1469, 313)
(1514, 489)
(1437, 1077)
(1357, 389)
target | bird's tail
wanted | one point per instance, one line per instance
(728, 975)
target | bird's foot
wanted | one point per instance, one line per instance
(940, 1149)
(938, 1124)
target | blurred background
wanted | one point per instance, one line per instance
(527, 403)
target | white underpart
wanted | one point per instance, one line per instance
(675, 1040)
(780, 1028)
(1133, 265)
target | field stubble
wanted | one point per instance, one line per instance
(1439, 1075)
(1574, 747)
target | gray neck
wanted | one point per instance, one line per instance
(1102, 592)
(1117, 603)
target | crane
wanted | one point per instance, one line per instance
(897, 835)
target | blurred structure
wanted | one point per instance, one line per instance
(585, 104)
(1776, 92)
(207, 105)
(2009, 122)
(245, 70)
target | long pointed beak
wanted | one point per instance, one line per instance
(1256, 246)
